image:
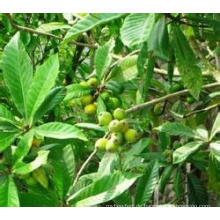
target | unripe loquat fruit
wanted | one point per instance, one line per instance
(119, 113)
(100, 144)
(131, 135)
(90, 109)
(104, 118)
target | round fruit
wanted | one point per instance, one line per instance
(113, 103)
(84, 83)
(112, 146)
(90, 109)
(124, 125)
(190, 99)
(104, 118)
(86, 99)
(105, 96)
(115, 126)
(158, 108)
(101, 143)
(117, 136)
(92, 82)
(131, 135)
(119, 113)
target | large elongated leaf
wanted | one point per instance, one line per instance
(92, 126)
(52, 26)
(104, 189)
(8, 192)
(63, 162)
(215, 127)
(60, 130)
(176, 129)
(182, 153)
(136, 28)
(159, 40)
(6, 115)
(6, 139)
(187, 63)
(147, 183)
(91, 21)
(17, 72)
(44, 80)
(25, 168)
(164, 178)
(55, 96)
(103, 59)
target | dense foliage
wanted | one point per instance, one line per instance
(109, 109)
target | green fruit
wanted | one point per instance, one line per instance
(104, 118)
(114, 126)
(119, 113)
(117, 137)
(84, 83)
(112, 146)
(124, 125)
(131, 135)
(113, 103)
(101, 143)
(90, 109)
(86, 99)
(92, 82)
(105, 96)
(190, 99)
(158, 108)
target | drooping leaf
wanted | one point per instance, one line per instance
(55, 96)
(43, 81)
(187, 63)
(197, 193)
(6, 139)
(176, 129)
(60, 130)
(24, 168)
(90, 126)
(165, 178)
(104, 189)
(142, 58)
(101, 105)
(8, 192)
(158, 41)
(182, 153)
(52, 26)
(136, 28)
(17, 72)
(103, 59)
(178, 183)
(147, 183)
(90, 22)
(63, 162)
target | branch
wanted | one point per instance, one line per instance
(83, 167)
(166, 97)
(33, 31)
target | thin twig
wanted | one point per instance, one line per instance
(83, 167)
(166, 97)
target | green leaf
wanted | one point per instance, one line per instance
(76, 91)
(147, 183)
(63, 162)
(178, 183)
(60, 130)
(215, 127)
(90, 126)
(108, 164)
(196, 191)
(52, 26)
(103, 59)
(187, 63)
(90, 22)
(136, 28)
(182, 153)
(23, 147)
(158, 41)
(176, 129)
(101, 105)
(165, 178)
(17, 72)
(126, 70)
(25, 168)
(55, 96)
(142, 58)
(6, 139)
(104, 189)
(44, 80)
(6, 115)
(8, 192)
(215, 149)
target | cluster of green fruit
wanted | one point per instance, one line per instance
(118, 131)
